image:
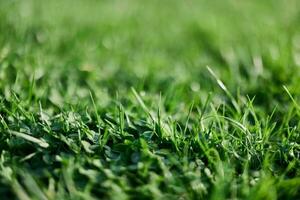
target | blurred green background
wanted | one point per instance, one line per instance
(71, 47)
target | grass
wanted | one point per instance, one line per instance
(149, 99)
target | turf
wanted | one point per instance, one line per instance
(149, 99)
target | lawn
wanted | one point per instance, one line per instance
(152, 99)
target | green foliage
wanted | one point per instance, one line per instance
(149, 99)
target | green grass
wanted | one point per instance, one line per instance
(154, 99)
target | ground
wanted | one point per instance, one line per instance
(154, 99)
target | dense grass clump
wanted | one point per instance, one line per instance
(149, 99)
